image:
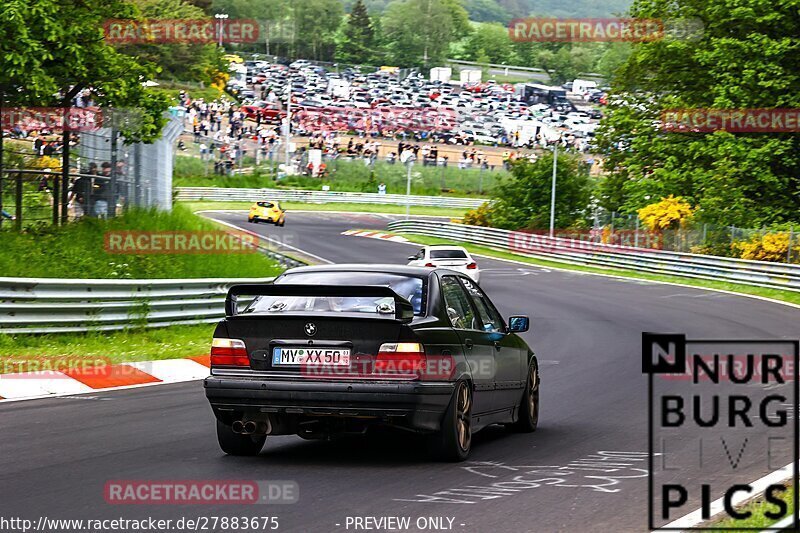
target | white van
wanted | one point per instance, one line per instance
(583, 86)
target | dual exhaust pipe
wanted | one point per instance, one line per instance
(251, 427)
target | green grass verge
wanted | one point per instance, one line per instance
(776, 294)
(132, 345)
(757, 520)
(173, 89)
(351, 176)
(77, 250)
(352, 208)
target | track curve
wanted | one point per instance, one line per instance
(58, 453)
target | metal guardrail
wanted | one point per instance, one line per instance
(37, 305)
(215, 194)
(34, 305)
(514, 68)
(756, 273)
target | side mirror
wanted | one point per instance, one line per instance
(518, 324)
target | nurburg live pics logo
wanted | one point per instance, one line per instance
(721, 414)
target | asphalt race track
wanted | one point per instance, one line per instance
(57, 454)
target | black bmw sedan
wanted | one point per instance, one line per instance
(328, 350)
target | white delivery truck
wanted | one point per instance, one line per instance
(470, 75)
(442, 74)
(583, 86)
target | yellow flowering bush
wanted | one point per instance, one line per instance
(669, 213)
(478, 216)
(769, 247)
(605, 235)
(46, 162)
(220, 79)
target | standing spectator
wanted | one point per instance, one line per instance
(102, 191)
(79, 196)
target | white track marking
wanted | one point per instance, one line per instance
(41, 383)
(172, 370)
(696, 517)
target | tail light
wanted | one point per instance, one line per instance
(430, 265)
(400, 358)
(229, 352)
(472, 266)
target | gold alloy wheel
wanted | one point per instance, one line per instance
(463, 416)
(533, 383)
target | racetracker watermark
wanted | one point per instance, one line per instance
(53, 119)
(428, 368)
(22, 366)
(378, 119)
(731, 120)
(733, 420)
(203, 492)
(585, 30)
(179, 242)
(77, 119)
(186, 31)
(588, 241)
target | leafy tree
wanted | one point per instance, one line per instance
(523, 200)
(53, 49)
(57, 47)
(419, 32)
(358, 37)
(491, 39)
(487, 11)
(276, 26)
(379, 51)
(745, 57)
(205, 5)
(178, 61)
(613, 56)
(315, 25)
(251, 9)
(565, 62)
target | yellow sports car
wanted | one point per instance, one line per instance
(271, 212)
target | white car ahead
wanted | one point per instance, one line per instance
(452, 257)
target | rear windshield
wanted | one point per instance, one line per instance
(448, 254)
(264, 204)
(409, 287)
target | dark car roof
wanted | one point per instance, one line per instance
(361, 267)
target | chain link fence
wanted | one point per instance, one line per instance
(776, 245)
(105, 176)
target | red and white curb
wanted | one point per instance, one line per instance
(375, 235)
(48, 383)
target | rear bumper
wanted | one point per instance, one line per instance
(474, 274)
(416, 405)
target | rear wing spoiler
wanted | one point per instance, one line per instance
(404, 311)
